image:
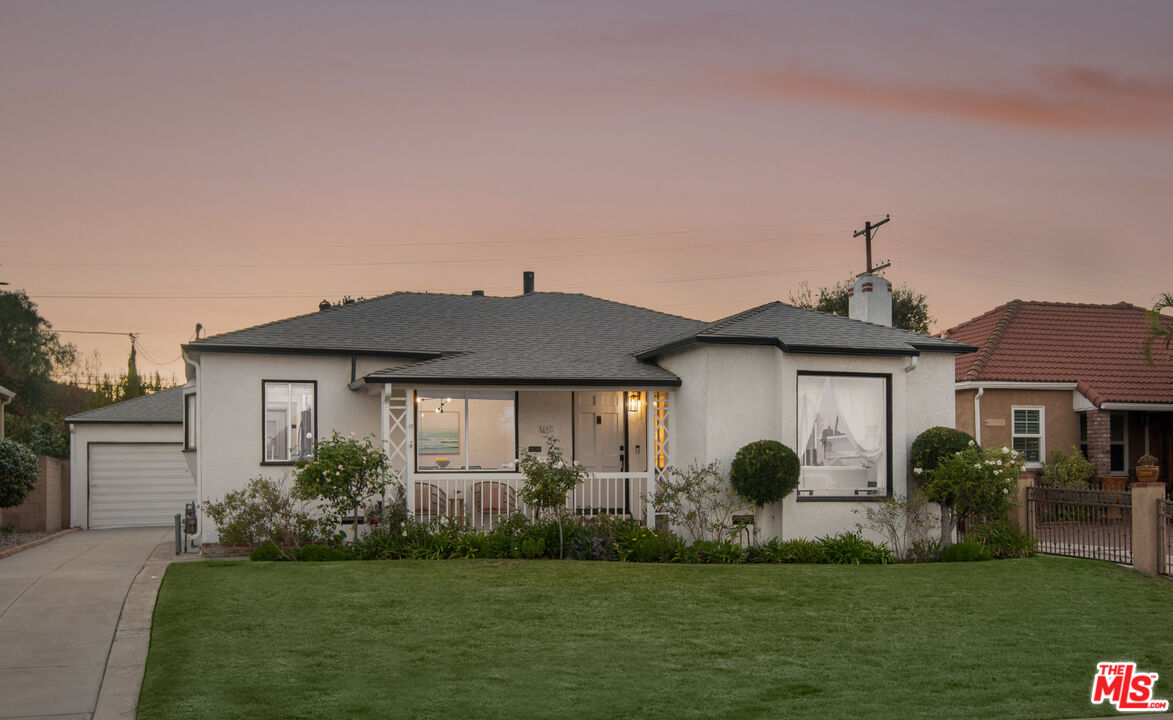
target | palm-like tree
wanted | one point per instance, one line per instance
(1159, 332)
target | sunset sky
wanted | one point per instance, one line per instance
(168, 163)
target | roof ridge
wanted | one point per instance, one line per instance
(612, 302)
(988, 347)
(737, 317)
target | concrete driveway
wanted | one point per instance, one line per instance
(60, 604)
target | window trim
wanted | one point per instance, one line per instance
(1123, 443)
(887, 377)
(1042, 434)
(415, 433)
(191, 440)
(264, 381)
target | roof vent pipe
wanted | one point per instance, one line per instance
(527, 282)
(478, 293)
(324, 305)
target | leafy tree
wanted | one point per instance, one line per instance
(345, 474)
(764, 471)
(1159, 330)
(910, 310)
(29, 352)
(547, 482)
(976, 484)
(18, 472)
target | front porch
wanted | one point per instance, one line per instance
(456, 449)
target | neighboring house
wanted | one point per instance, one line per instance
(6, 397)
(456, 387)
(127, 463)
(1049, 376)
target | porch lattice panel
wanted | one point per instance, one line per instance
(660, 435)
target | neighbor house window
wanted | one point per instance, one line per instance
(466, 430)
(843, 436)
(289, 420)
(1118, 443)
(1028, 433)
(189, 422)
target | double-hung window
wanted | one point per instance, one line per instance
(466, 430)
(290, 417)
(844, 436)
(1028, 434)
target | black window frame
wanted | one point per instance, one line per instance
(415, 444)
(191, 409)
(887, 377)
(266, 381)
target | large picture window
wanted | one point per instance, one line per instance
(466, 430)
(843, 436)
(289, 420)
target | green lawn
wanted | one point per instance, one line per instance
(547, 639)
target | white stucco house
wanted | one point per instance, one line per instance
(456, 387)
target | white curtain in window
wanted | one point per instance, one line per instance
(861, 413)
(810, 394)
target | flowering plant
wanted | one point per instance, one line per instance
(976, 483)
(344, 474)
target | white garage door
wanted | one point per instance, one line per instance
(134, 484)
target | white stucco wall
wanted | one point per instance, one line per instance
(230, 412)
(735, 394)
(80, 437)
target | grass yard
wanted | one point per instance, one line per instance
(547, 639)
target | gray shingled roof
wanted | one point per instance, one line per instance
(539, 338)
(799, 330)
(165, 406)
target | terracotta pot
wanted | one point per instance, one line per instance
(1147, 473)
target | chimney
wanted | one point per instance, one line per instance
(527, 282)
(478, 293)
(870, 300)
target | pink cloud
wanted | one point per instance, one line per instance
(1071, 99)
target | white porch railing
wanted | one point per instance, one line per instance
(482, 500)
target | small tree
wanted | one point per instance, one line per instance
(1160, 331)
(975, 484)
(344, 474)
(764, 472)
(548, 481)
(930, 449)
(18, 472)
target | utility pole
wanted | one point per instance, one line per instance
(868, 228)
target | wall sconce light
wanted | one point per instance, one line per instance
(634, 402)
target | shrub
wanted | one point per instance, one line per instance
(1001, 540)
(723, 552)
(964, 551)
(700, 500)
(1068, 469)
(764, 472)
(267, 553)
(345, 474)
(975, 484)
(851, 548)
(266, 511)
(798, 550)
(906, 521)
(548, 481)
(645, 545)
(18, 472)
(936, 444)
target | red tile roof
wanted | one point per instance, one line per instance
(1099, 347)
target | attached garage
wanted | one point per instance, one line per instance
(129, 467)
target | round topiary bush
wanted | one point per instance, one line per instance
(18, 472)
(764, 472)
(937, 443)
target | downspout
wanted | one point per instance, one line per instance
(913, 364)
(977, 416)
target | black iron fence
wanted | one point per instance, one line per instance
(1081, 523)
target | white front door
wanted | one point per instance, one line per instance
(598, 430)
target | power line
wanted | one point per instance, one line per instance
(531, 258)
